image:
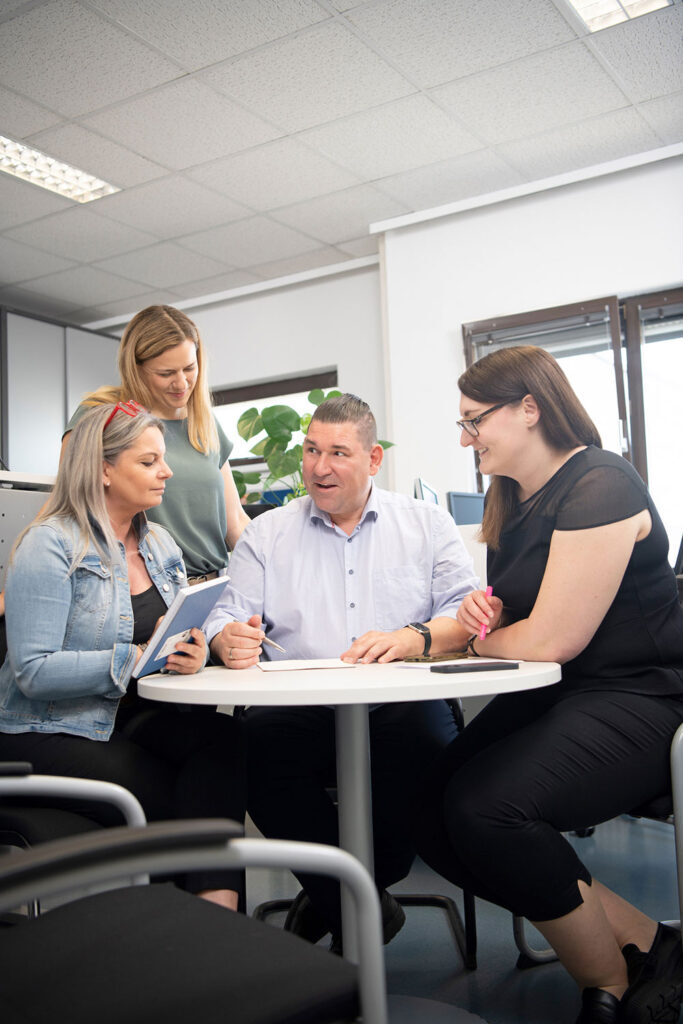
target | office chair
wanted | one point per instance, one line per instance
(668, 808)
(152, 952)
(464, 931)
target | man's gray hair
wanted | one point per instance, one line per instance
(348, 408)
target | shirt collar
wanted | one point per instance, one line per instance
(370, 511)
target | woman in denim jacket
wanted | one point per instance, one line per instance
(87, 583)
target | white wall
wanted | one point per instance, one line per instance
(619, 234)
(320, 324)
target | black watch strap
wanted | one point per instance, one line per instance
(424, 631)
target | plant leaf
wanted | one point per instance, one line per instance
(316, 396)
(386, 444)
(280, 421)
(249, 424)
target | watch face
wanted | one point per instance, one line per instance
(420, 627)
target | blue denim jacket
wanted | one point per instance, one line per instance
(70, 636)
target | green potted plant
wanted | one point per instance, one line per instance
(280, 448)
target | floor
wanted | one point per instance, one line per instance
(633, 856)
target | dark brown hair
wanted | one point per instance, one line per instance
(507, 376)
(349, 408)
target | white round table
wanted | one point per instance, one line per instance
(351, 691)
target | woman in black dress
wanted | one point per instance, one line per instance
(577, 558)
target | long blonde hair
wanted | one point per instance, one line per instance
(150, 333)
(507, 376)
(78, 494)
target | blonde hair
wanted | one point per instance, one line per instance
(507, 376)
(150, 333)
(78, 494)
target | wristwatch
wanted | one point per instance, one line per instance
(423, 630)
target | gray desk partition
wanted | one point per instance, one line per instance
(21, 498)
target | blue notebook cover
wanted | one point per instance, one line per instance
(191, 607)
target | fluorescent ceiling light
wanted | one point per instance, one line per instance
(40, 169)
(597, 14)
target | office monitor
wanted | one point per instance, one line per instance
(424, 491)
(465, 506)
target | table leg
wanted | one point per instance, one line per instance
(354, 802)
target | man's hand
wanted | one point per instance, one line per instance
(190, 657)
(382, 647)
(238, 645)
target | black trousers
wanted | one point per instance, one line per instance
(533, 765)
(179, 764)
(291, 766)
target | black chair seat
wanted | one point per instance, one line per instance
(240, 971)
(28, 826)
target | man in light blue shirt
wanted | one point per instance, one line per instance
(355, 572)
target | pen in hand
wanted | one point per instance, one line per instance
(482, 630)
(271, 643)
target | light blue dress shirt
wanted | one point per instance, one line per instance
(318, 589)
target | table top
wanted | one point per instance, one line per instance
(358, 684)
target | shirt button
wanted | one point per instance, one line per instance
(165, 586)
(350, 572)
(352, 605)
(353, 639)
(149, 557)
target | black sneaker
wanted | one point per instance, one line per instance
(655, 979)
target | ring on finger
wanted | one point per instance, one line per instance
(230, 653)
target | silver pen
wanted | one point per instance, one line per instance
(271, 643)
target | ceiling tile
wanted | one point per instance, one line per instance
(21, 116)
(533, 94)
(20, 262)
(182, 124)
(220, 283)
(396, 137)
(35, 302)
(72, 60)
(298, 264)
(659, 36)
(86, 285)
(450, 180)
(21, 202)
(581, 145)
(276, 174)
(125, 307)
(85, 149)
(310, 78)
(435, 41)
(250, 242)
(79, 234)
(344, 215)
(366, 246)
(171, 207)
(665, 114)
(202, 32)
(162, 266)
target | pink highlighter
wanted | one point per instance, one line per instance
(482, 631)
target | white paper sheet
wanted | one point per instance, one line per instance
(290, 665)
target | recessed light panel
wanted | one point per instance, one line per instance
(597, 14)
(40, 169)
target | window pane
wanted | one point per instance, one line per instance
(662, 362)
(228, 415)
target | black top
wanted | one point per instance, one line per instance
(148, 606)
(638, 646)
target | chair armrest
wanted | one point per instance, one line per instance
(57, 866)
(17, 783)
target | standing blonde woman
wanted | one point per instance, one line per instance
(162, 365)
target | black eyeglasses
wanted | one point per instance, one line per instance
(470, 426)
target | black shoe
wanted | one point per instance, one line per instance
(304, 920)
(663, 960)
(599, 1007)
